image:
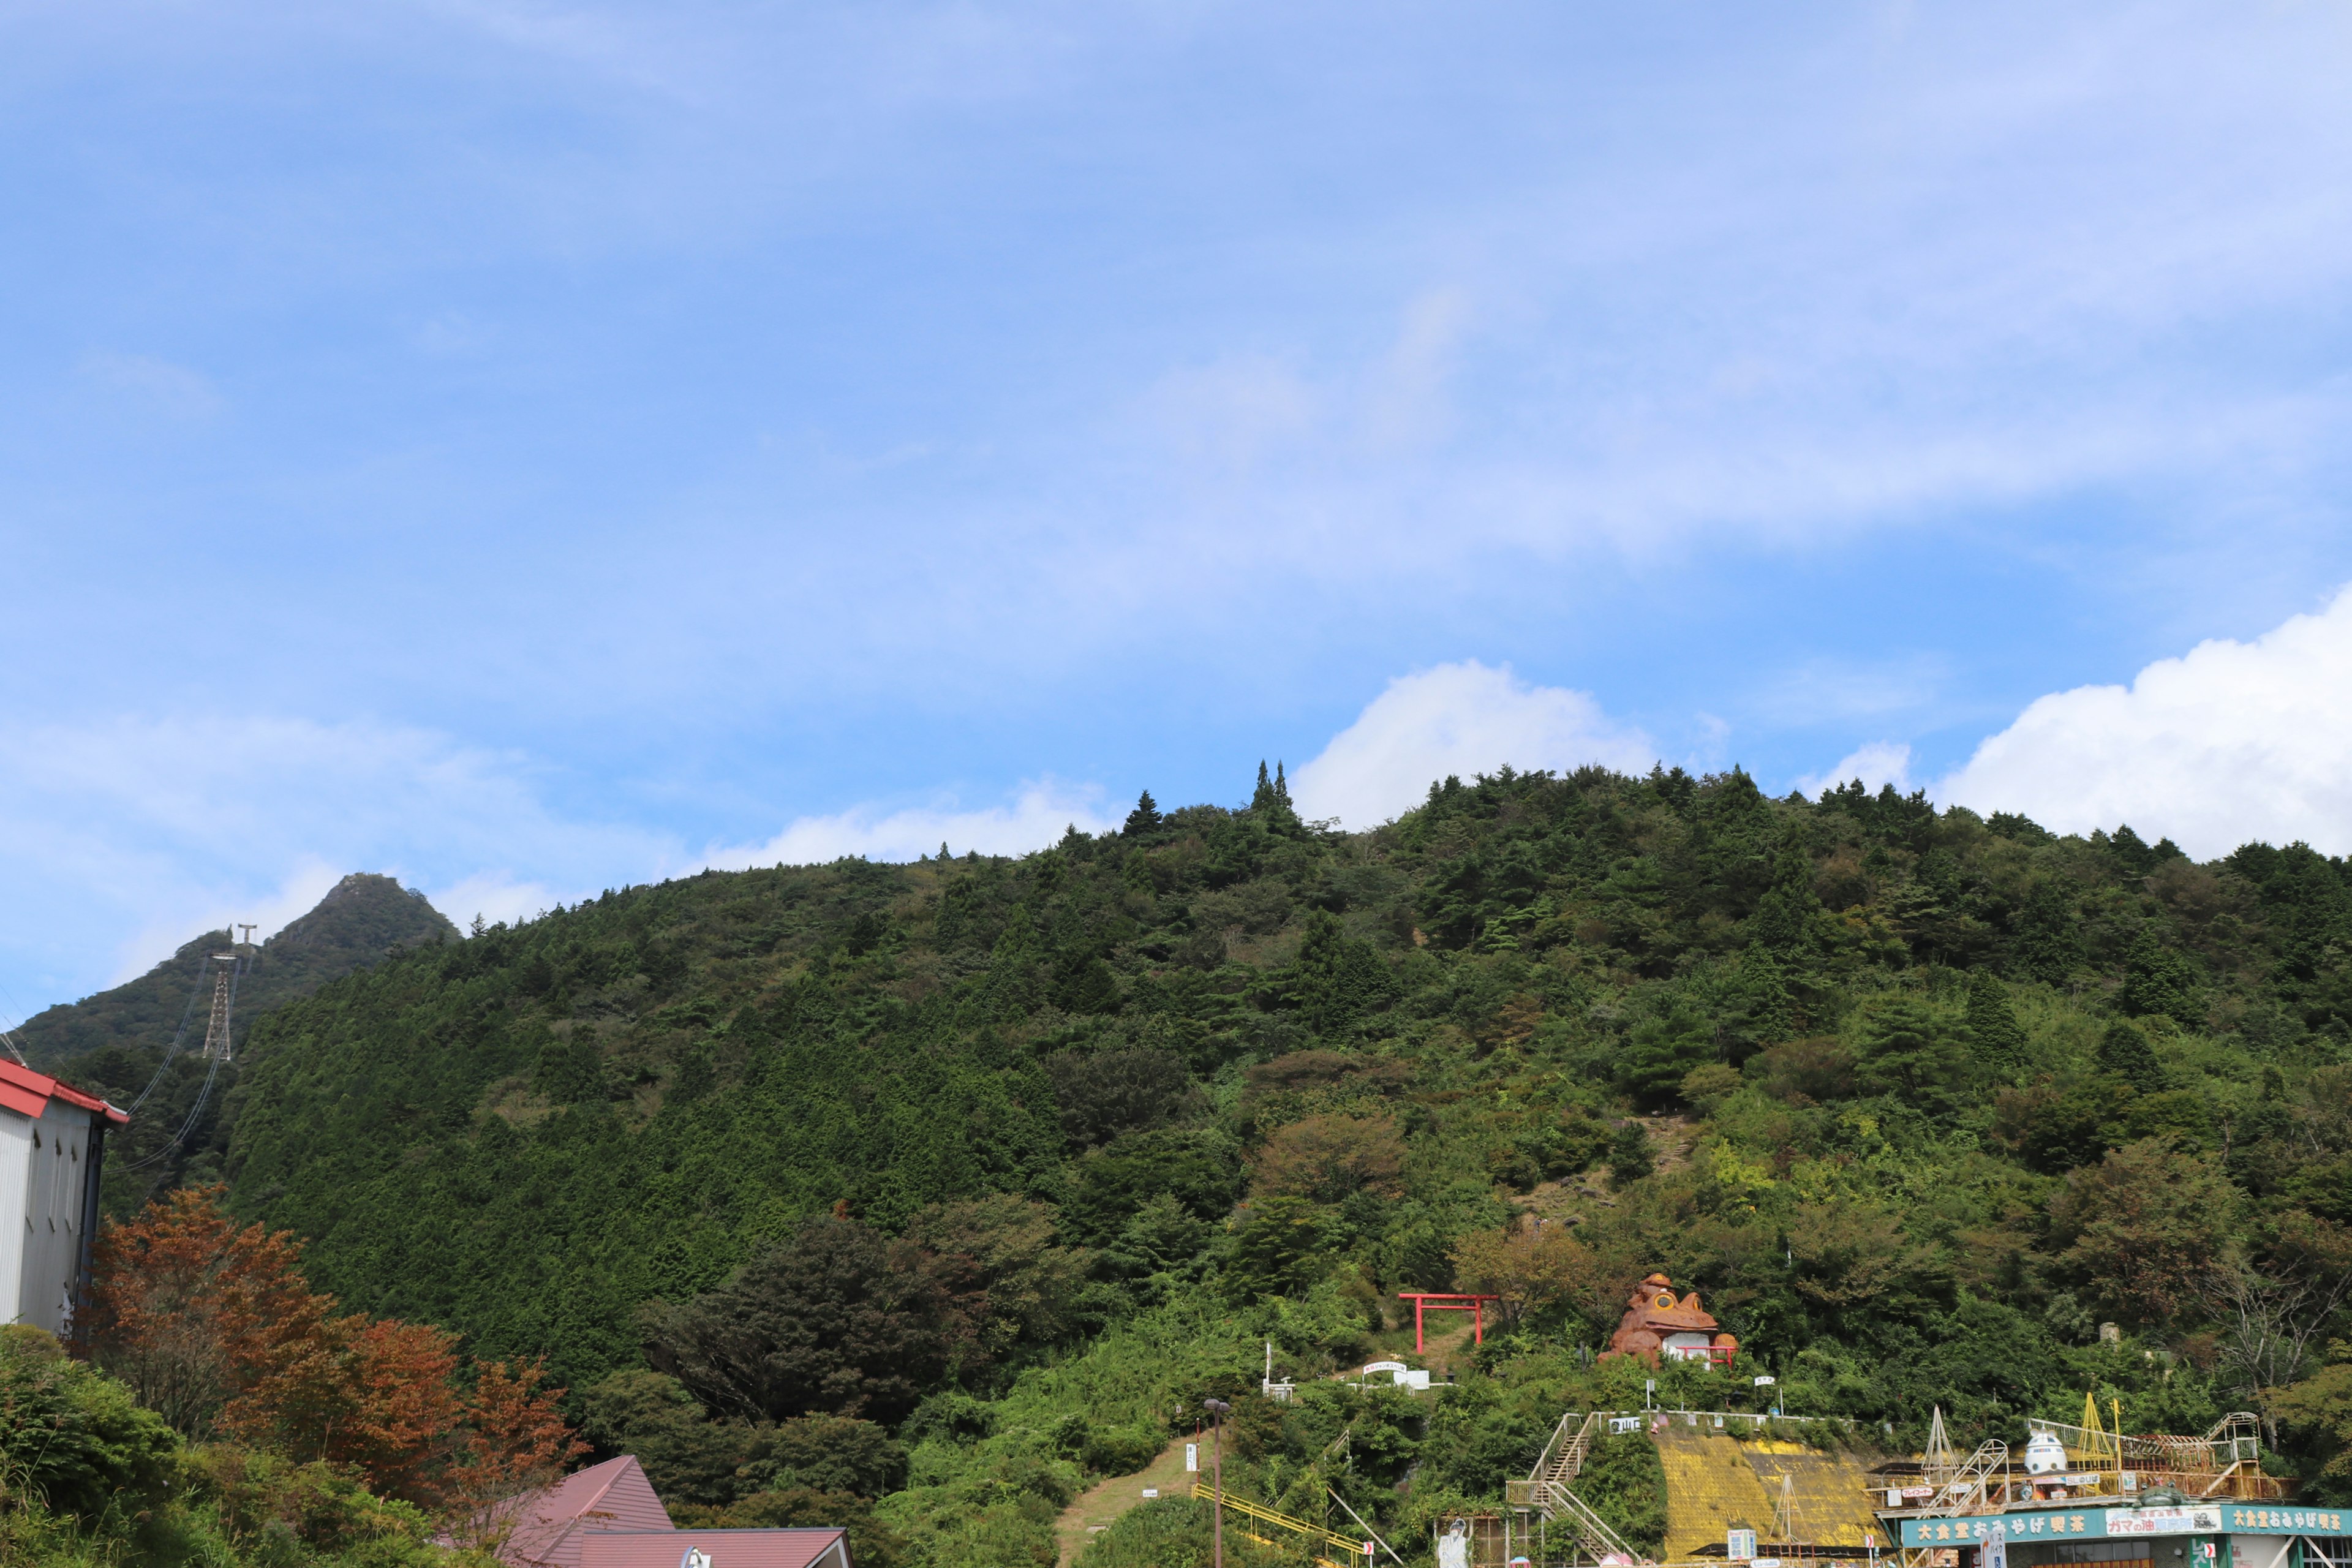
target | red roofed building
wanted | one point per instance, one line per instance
(52, 1141)
(547, 1529)
(719, 1549)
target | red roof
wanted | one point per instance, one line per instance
(723, 1548)
(544, 1529)
(29, 1093)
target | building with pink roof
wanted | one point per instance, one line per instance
(548, 1528)
(716, 1548)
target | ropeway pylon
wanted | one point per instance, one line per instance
(217, 1044)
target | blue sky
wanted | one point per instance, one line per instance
(534, 448)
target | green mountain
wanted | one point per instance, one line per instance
(1015, 1155)
(113, 1043)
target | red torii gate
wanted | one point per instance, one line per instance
(1447, 1301)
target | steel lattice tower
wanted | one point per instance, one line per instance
(216, 1031)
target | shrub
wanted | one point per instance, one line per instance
(73, 1440)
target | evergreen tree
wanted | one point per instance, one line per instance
(2158, 981)
(1770, 1011)
(1261, 798)
(1999, 1038)
(2125, 1053)
(1270, 803)
(1144, 819)
(1908, 1051)
(1338, 978)
(2046, 946)
(1012, 965)
(1784, 921)
(1631, 1156)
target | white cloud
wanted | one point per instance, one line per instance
(2230, 742)
(1459, 719)
(171, 389)
(297, 894)
(122, 839)
(127, 837)
(495, 896)
(1231, 413)
(1879, 763)
(1039, 815)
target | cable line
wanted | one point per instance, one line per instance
(178, 1035)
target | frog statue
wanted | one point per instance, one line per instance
(1656, 1324)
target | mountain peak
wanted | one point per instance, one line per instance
(363, 919)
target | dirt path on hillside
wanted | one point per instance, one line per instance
(1106, 1501)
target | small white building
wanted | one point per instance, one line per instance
(52, 1143)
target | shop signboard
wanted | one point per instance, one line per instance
(2095, 1523)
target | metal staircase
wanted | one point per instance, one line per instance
(1546, 1489)
(1965, 1490)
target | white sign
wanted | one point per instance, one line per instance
(2164, 1520)
(1995, 1550)
(1192, 1456)
(1739, 1545)
(1151, 1491)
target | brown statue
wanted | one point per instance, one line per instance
(1656, 1324)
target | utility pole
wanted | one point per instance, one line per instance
(1218, 1410)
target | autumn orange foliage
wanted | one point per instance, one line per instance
(213, 1326)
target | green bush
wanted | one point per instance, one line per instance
(71, 1438)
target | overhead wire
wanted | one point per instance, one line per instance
(8, 1036)
(204, 1091)
(204, 968)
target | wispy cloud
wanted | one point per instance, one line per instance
(1039, 813)
(143, 832)
(153, 383)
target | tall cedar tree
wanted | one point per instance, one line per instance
(1999, 1038)
(1144, 819)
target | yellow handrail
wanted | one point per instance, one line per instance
(1352, 1549)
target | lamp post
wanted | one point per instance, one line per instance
(1218, 1410)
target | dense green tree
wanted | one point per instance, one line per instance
(1660, 1053)
(2157, 980)
(1784, 921)
(2147, 1231)
(2048, 945)
(1104, 1093)
(1144, 819)
(1273, 1247)
(2123, 1053)
(1998, 1038)
(838, 1319)
(1909, 1051)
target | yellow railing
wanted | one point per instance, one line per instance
(1319, 1539)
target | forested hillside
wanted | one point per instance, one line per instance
(114, 1043)
(1013, 1156)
